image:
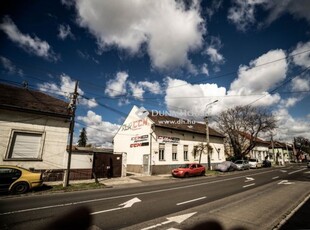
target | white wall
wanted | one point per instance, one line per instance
(129, 137)
(185, 138)
(55, 138)
(131, 130)
(81, 161)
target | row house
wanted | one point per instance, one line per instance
(154, 143)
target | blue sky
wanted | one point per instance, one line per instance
(164, 55)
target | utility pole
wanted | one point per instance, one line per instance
(72, 108)
(208, 136)
(273, 153)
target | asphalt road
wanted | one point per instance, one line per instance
(254, 199)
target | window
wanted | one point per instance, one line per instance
(185, 152)
(161, 152)
(174, 152)
(25, 146)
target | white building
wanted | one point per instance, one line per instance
(155, 143)
(34, 129)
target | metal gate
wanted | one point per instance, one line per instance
(107, 165)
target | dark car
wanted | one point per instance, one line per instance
(188, 170)
(17, 180)
(266, 164)
(226, 166)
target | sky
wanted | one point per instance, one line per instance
(173, 57)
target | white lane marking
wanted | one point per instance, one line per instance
(248, 179)
(248, 185)
(285, 182)
(276, 177)
(128, 195)
(178, 219)
(126, 204)
(296, 171)
(189, 201)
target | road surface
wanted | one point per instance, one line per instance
(253, 199)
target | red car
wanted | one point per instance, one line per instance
(188, 170)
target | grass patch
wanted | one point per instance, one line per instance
(77, 187)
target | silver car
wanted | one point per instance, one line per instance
(242, 164)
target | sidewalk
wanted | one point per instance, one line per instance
(131, 179)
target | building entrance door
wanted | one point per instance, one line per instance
(146, 163)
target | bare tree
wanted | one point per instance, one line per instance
(302, 145)
(200, 149)
(242, 126)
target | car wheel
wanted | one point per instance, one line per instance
(186, 175)
(20, 188)
(203, 173)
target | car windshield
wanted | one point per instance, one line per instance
(238, 162)
(252, 160)
(184, 166)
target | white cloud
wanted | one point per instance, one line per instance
(64, 31)
(263, 74)
(300, 84)
(182, 96)
(242, 13)
(99, 132)
(153, 87)
(212, 50)
(301, 54)
(289, 127)
(137, 90)
(215, 57)
(65, 88)
(214, 7)
(33, 45)
(10, 67)
(169, 29)
(251, 85)
(117, 87)
(204, 69)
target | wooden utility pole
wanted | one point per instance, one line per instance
(73, 108)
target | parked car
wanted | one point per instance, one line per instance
(17, 180)
(266, 164)
(188, 170)
(226, 166)
(255, 163)
(242, 164)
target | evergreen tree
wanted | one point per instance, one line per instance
(82, 138)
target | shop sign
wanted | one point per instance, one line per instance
(140, 138)
(135, 125)
(134, 145)
(166, 139)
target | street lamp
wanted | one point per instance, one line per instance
(207, 135)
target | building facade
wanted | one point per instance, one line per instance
(34, 129)
(155, 144)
